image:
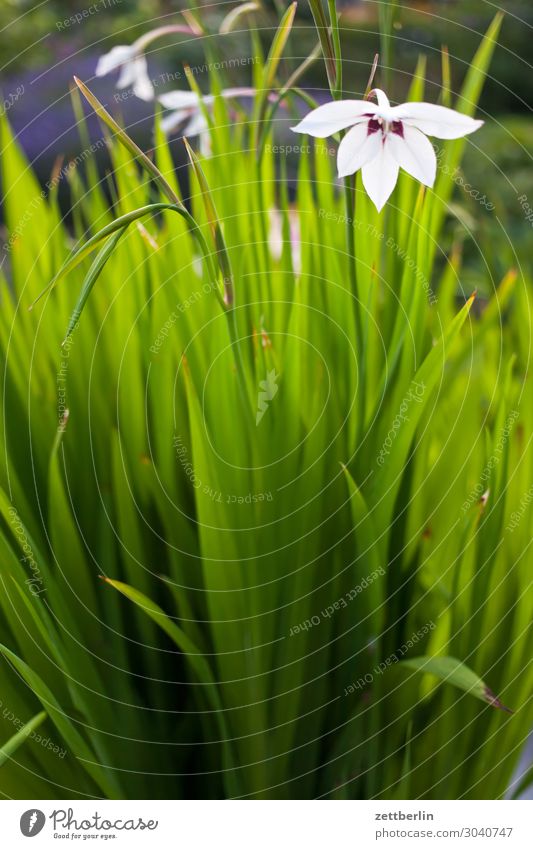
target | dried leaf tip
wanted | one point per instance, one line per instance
(495, 702)
(371, 77)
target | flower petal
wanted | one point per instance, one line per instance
(414, 153)
(134, 73)
(380, 176)
(142, 84)
(382, 99)
(174, 119)
(358, 147)
(240, 91)
(126, 77)
(436, 120)
(114, 59)
(179, 99)
(196, 125)
(196, 121)
(333, 117)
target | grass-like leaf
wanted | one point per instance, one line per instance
(10, 747)
(449, 670)
(326, 42)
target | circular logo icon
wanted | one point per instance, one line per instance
(32, 822)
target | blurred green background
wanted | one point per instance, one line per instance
(33, 37)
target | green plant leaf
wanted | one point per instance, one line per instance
(129, 144)
(91, 278)
(232, 18)
(271, 68)
(336, 38)
(79, 254)
(120, 224)
(79, 748)
(10, 747)
(194, 657)
(277, 48)
(288, 88)
(326, 42)
(449, 670)
(214, 225)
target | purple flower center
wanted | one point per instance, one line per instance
(397, 128)
(374, 125)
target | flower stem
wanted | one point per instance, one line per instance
(349, 198)
(245, 394)
(350, 208)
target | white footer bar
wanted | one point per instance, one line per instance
(267, 825)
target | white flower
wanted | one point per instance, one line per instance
(185, 107)
(385, 138)
(134, 71)
(131, 60)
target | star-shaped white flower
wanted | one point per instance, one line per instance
(131, 60)
(385, 138)
(134, 70)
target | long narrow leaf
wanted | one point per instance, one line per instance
(193, 655)
(91, 278)
(449, 670)
(319, 17)
(78, 747)
(271, 67)
(215, 226)
(129, 144)
(10, 747)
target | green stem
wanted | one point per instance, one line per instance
(336, 47)
(350, 208)
(239, 363)
(349, 198)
